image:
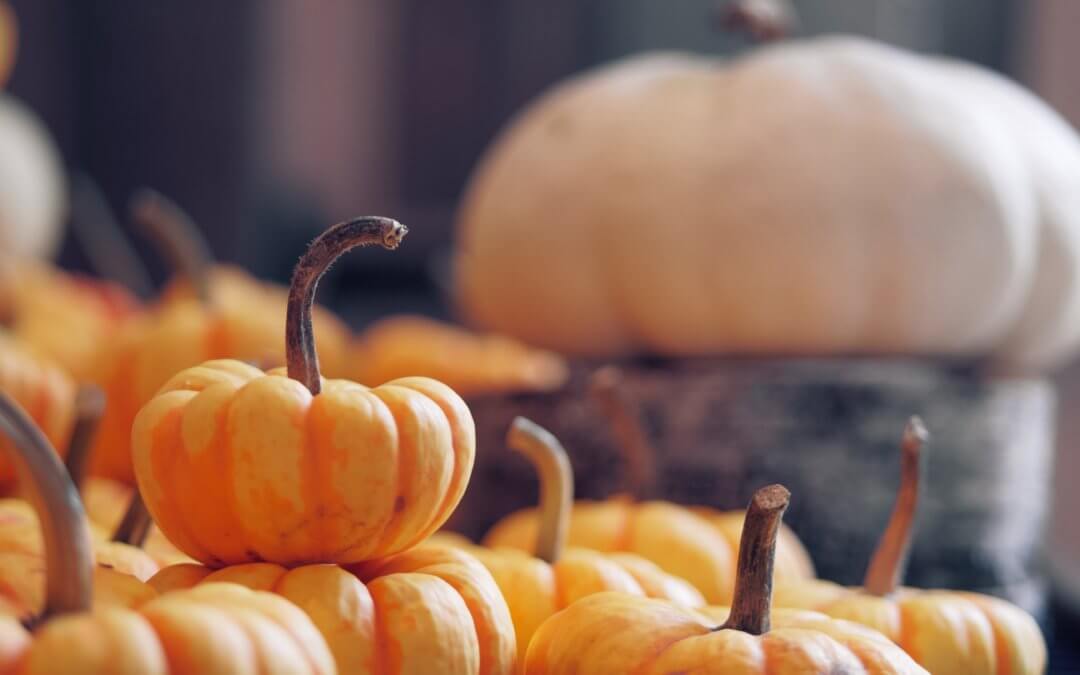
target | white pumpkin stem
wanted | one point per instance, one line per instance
(102, 239)
(552, 466)
(636, 450)
(177, 238)
(889, 562)
(300, 354)
(764, 20)
(89, 407)
(751, 604)
(69, 558)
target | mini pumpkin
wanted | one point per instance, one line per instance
(945, 631)
(432, 609)
(41, 388)
(617, 633)
(698, 547)
(208, 312)
(237, 465)
(470, 363)
(537, 587)
(220, 628)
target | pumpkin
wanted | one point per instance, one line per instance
(9, 37)
(220, 628)
(41, 388)
(469, 363)
(537, 587)
(618, 633)
(698, 544)
(683, 202)
(237, 465)
(33, 192)
(432, 609)
(945, 631)
(208, 312)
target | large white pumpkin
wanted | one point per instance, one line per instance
(831, 196)
(33, 190)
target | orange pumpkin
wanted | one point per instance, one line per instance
(432, 609)
(537, 587)
(470, 363)
(698, 544)
(207, 313)
(237, 465)
(945, 631)
(616, 633)
(42, 389)
(216, 629)
(9, 37)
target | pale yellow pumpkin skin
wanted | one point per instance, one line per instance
(683, 202)
(430, 610)
(945, 631)
(677, 540)
(613, 633)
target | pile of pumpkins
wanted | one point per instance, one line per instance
(186, 493)
(300, 520)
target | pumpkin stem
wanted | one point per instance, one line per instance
(751, 603)
(177, 238)
(102, 239)
(68, 555)
(135, 526)
(89, 407)
(300, 354)
(889, 562)
(763, 20)
(635, 448)
(552, 465)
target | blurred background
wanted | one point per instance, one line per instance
(269, 120)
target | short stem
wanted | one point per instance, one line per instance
(552, 466)
(300, 354)
(68, 554)
(635, 448)
(135, 526)
(889, 562)
(177, 238)
(89, 407)
(764, 20)
(102, 239)
(751, 603)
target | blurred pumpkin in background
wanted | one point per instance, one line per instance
(827, 196)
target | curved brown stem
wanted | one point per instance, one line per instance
(69, 558)
(176, 237)
(135, 526)
(89, 407)
(635, 448)
(764, 20)
(752, 601)
(300, 354)
(102, 239)
(889, 562)
(552, 465)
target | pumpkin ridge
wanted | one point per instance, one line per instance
(168, 471)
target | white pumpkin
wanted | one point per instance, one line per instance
(33, 190)
(830, 196)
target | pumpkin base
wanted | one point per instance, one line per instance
(827, 428)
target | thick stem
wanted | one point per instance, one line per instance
(889, 563)
(89, 407)
(635, 448)
(751, 603)
(176, 237)
(764, 20)
(69, 560)
(102, 239)
(552, 466)
(300, 354)
(135, 526)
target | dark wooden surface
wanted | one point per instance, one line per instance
(829, 430)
